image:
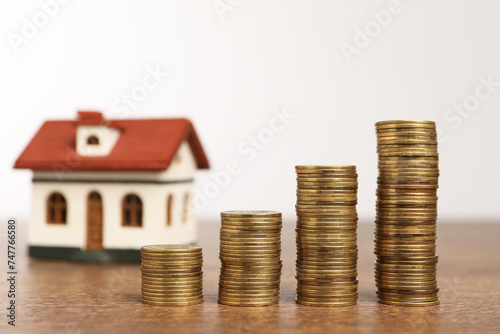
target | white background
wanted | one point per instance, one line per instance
(228, 75)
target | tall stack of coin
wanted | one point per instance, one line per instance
(250, 254)
(405, 237)
(172, 275)
(327, 250)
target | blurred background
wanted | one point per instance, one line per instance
(268, 84)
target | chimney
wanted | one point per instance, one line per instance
(90, 117)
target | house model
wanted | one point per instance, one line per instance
(104, 188)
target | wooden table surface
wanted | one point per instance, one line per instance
(64, 297)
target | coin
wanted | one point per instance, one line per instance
(171, 249)
(171, 275)
(156, 303)
(250, 214)
(405, 234)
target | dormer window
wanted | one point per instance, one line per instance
(94, 136)
(92, 140)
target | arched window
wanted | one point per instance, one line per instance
(56, 209)
(169, 209)
(132, 211)
(92, 140)
(185, 208)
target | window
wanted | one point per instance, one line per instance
(185, 208)
(56, 209)
(132, 211)
(92, 140)
(169, 210)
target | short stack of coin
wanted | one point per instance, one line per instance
(250, 254)
(405, 237)
(326, 235)
(172, 275)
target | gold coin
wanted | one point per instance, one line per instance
(406, 266)
(251, 222)
(249, 249)
(247, 303)
(227, 272)
(330, 266)
(172, 275)
(326, 237)
(155, 303)
(325, 167)
(172, 270)
(248, 294)
(250, 236)
(249, 281)
(250, 214)
(173, 289)
(402, 292)
(321, 256)
(407, 286)
(327, 229)
(329, 180)
(399, 238)
(254, 299)
(336, 200)
(327, 289)
(336, 183)
(327, 302)
(255, 234)
(327, 273)
(172, 281)
(171, 249)
(308, 219)
(273, 266)
(339, 235)
(412, 123)
(423, 304)
(247, 286)
(324, 192)
(407, 296)
(328, 283)
(408, 260)
(348, 175)
(171, 259)
(325, 263)
(405, 281)
(406, 140)
(324, 188)
(249, 239)
(252, 229)
(326, 215)
(166, 266)
(170, 296)
(406, 153)
(322, 203)
(171, 299)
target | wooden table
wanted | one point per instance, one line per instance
(64, 297)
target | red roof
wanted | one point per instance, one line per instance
(144, 144)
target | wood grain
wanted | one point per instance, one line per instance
(65, 297)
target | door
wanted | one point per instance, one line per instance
(94, 221)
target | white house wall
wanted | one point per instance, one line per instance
(154, 196)
(154, 228)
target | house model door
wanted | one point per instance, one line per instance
(94, 221)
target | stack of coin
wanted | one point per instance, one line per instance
(172, 275)
(326, 236)
(405, 237)
(250, 254)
